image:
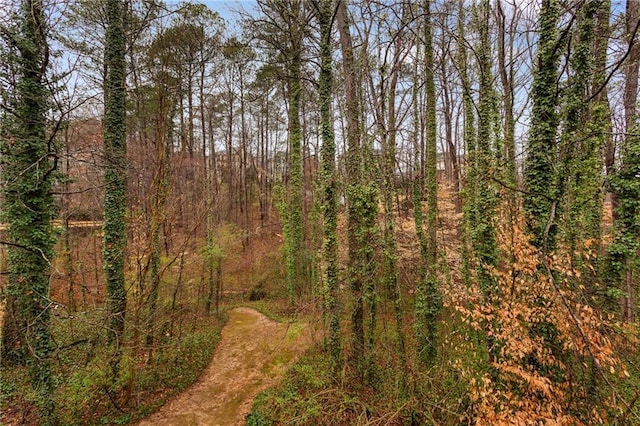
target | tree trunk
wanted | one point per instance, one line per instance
(353, 166)
(115, 198)
(28, 204)
(428, 299)
(453, 175)
(329, 182)
(579, 179)
(538, 200)
(158, 208)
(229, 166)
(295, 255)
(389, 166)
(506, 78)
(623, 253)
(470, 171)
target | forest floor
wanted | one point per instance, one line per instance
(253, 354)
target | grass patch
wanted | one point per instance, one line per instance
(298, 400)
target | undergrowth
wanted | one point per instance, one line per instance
(539, 352)
(312, 393)
(85, 393)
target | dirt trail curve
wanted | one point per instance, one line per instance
(254, 353)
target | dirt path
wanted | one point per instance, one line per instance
(254, 353)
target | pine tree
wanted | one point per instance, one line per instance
(161, 50)
(278, 16)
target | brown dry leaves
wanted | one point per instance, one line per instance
(540, 327)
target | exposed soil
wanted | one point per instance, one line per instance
(254, 353)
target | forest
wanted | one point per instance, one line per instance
(446, 191)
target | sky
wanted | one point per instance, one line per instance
(227, 8)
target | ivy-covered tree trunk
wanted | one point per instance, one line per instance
(505, 58)
(623, 261)
(600, 90)
(295, 255)
(384, 106)
(579, 177)
(361, 196)
(390, 251)
(329, 182)
(428, 299)
(283, 30)
(294, 221)
(115, 175)
(483, 233)
(353, 179)
(482, 204)
(28, 208)
(418, 218)
(539, 202)
(469, 135)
